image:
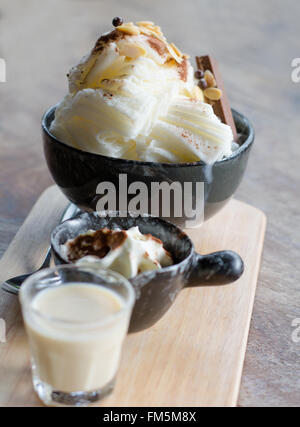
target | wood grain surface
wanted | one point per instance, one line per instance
(254, 42)
(192, 357)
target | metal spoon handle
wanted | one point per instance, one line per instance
(13, 285)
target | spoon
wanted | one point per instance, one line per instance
(13, 285)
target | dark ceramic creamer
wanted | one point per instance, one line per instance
(156, 290)
(78, 173)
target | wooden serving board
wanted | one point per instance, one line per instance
(192, 357)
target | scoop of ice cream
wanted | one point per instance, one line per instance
(127, 252)
(135, 97)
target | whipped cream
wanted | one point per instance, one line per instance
(135, 97)
(127, 252)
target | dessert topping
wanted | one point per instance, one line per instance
(117, 21)
(199, 74)
(157, 45)
(105, 39)
(210, 79)
(129, 28)
(97, 243)
(183, 69)
(129, 252)
(215, 93)
(203, 84)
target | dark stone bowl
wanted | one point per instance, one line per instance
(156, 290)
(78, 173)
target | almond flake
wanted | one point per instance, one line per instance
(150, 32)
(145, 24)
(129, 28)
(177, 51)
(132, 50)
(213, 93)
(157, 30)
(210, 79)
(174, 54)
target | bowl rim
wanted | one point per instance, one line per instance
(184, 262)
(247, 143)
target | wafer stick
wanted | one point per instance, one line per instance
(221, 106)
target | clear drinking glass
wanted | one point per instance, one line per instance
(76, 320)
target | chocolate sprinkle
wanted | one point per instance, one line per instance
(199, 74)
(117, 21)
(203, 84)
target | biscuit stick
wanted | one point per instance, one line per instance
(213, 88)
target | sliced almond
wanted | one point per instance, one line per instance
(129, 28)
(177, 51)
(157, 30)
(213, 93)
(145, 24)
(174, 55)
(150, 26)
(151, 32)
(145, 30)
(210, 79)
(132, 50)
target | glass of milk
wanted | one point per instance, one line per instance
(76, 320)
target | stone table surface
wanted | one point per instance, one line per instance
(255, 43)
